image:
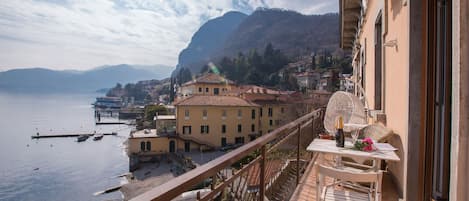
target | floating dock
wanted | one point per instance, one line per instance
(109, 123)
(70, 135)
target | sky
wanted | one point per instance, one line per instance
(83, 34)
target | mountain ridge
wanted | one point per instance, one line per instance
(40, 79)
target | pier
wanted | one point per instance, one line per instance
(110, 123)
(70, 135)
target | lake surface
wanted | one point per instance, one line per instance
(57, 168)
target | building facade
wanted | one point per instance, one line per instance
(409, 69)
(208, 84)
(217, 120)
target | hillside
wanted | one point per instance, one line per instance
(206, 41)
(46, 80)
(291, 32)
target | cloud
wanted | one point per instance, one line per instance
(88, 33)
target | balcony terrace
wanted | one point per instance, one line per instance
(275, 166)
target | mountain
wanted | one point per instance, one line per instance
(291, 32)
(206, 41)
(46, 80)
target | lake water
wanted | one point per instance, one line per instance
(57, 168)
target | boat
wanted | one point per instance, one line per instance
(98, 137)
(82, 138)
(108, 102)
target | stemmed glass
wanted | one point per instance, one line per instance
(355, 133)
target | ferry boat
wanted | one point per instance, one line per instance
(108, 102)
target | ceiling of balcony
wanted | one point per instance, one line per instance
(350, 13)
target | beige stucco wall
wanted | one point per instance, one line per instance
(215, 121)
(459, 177)
(277, 117)
(159, 145)
(395, 73)
(194, 89)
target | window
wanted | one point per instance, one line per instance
(187, 146)
(223, 128)
(200, 89)
(239, 140)
(204, 113)
(240, 113)
(204, 129)
(271, 111)
(223, 141)
(282, 110)
(216, 91)
(378, 64)
(271, 122)
(206, 90)
(240, 128)
(253, 114)
(186, 130)
(260, 112)
(142, 146)
(148, 146)
(223, 113)
(438, 153)
(186, 113)
(253, 128)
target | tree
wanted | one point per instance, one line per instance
(152, 110)
(184, 75)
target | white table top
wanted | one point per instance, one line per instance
(328, 146)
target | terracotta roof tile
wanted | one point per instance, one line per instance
(215, 101)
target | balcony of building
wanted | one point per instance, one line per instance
(275, 166)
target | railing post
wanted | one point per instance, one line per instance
(298, 155)
(214, 182)
(312, 125)
(262, 175)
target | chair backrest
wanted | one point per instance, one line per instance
(368, 177)
(377, 132)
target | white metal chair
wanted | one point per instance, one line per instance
(331, 193)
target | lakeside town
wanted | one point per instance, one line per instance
(210, 116)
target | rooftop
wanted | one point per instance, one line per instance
(166, 117)
(215, 101)
(209, 78)
(144, 133)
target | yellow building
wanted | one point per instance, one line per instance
(275, 108)
(207, 84)
(410, 60)
(234, 116)
(217, 120)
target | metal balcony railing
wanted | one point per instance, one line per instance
(269, 167)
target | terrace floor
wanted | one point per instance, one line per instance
(306, 190)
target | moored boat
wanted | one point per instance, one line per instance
(82, 138)
(98, 137)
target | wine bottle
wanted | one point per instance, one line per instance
(339, 136)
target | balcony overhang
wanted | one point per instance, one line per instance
(350, 14)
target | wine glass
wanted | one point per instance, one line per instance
(355, 135)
